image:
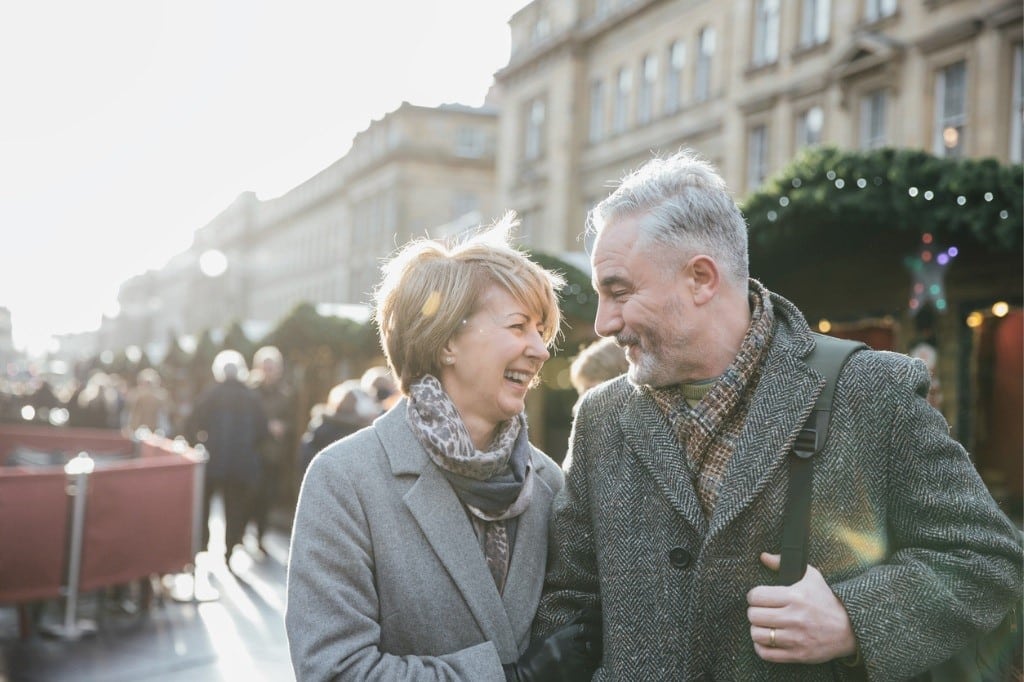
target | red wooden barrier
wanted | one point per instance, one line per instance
(138, 520)
(139, 513)
(34, 514)
(70, 441)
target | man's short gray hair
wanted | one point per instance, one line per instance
(684, 204)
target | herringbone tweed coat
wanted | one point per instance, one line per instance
(903, 529)
(386, 578)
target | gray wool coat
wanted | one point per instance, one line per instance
(903, 529)
(386, 578)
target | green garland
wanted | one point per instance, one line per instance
(829, 199)
(577, 299)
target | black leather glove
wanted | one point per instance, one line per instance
(569, 654)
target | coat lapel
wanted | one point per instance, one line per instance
(649, 437)
(444, 523)
(524, 582)
(782, 401)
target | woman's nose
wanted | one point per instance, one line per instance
(537, 348)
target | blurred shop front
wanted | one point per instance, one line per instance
(956, 306)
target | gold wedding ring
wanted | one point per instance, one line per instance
(771, 637)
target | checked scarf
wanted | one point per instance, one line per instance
(707, 433)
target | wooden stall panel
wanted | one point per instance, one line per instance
(138, 520)
(34, 531)
(55, 439)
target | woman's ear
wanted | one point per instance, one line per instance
(704, 278)
(447, 354)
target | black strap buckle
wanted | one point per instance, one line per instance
(806, 443)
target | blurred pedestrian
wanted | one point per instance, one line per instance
(97, 404)
(279, 405)
(340, 416)
(600, 361)
(419, 543)
(229, 421)
(378, 383)
(148, 404)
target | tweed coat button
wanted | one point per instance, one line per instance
(678, 557)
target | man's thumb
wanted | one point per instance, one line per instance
(772, 561)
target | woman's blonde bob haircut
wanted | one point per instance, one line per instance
(430, 287)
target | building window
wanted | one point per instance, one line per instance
(1017, 115)
(814, 24)
(878, 9)
(533, 139)
(809, 126)
(757, 156)
(645, 95)
(705, 51)
(620, 114)
(469, 142)
(873, 107)
(766, 32)
(596, 110)
(950, 110)
(541, 27)
(674, 76)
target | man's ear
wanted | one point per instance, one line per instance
(703, 277)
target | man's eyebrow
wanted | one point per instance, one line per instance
(609, 281)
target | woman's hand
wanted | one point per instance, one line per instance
(569, 654)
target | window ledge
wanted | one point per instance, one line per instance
(754, 70)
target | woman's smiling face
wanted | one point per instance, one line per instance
(494, 359)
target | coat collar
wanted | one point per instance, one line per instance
(444, 523)
(649, 436)
(781, 403)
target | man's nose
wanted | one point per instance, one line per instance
(608, 321)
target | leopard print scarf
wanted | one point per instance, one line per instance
(495, 486)
(707, 433)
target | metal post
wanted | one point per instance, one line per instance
(201, 589)
(80, 467)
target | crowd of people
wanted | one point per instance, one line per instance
(248, 418)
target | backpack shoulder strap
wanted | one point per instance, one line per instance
(828, 358)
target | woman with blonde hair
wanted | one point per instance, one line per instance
(419, 543)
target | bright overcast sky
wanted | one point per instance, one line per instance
(126, 125)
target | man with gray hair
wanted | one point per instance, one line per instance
(279, 402)
(229, 421)
(672, 513)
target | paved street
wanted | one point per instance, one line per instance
(235, 631)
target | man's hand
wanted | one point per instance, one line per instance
(800, 623)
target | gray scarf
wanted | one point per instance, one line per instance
(495, 486)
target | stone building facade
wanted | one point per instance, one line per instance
(416, 171)
(592, 87)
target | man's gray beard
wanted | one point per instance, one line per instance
(645, 372)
